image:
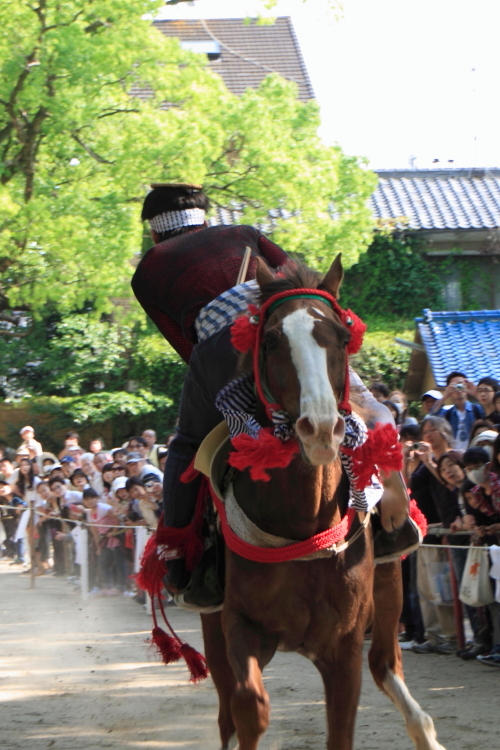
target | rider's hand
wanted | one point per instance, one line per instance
(394, 501)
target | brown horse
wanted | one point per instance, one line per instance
(319, 608)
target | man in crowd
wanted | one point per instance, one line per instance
(463, 413)
(28, 437)
(138, 466)
(429, 399)
(150, 437)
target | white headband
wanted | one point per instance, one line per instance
(177, 219)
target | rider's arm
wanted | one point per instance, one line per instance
(394, 502)
(169, 329)
(274, 255)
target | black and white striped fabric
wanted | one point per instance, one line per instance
(237, 402)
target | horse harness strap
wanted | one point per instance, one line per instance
(241, 534)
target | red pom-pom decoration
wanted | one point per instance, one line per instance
(417, 516)
(244, 330)
(380, 450)
(263, 452)
(357, 330)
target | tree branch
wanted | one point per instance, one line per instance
(90, 151)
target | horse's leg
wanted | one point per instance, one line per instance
(385, 655)
(222, 674)
(341, 672)
(248, 652)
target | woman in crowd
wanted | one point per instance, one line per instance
(440, 506)
(451, 469)
(485, 394)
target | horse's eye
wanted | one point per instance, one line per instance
(271, 340)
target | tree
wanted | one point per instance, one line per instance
(78, 149)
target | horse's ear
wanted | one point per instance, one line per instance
(333, 279)
(263, 273)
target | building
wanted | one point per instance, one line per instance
(456, 214)
(243, 52)
(447, 341)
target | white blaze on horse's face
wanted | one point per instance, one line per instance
(320, 427)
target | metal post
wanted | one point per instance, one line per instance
(457, 604)
(84, 563)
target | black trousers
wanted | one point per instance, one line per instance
(212, 365)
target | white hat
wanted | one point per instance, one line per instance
(433, 394)
(118, 484)
(488, 435)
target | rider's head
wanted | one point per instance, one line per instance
(173, 209)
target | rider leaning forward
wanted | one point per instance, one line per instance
(190, 266)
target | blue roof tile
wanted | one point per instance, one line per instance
(466, 341)
(439, 198)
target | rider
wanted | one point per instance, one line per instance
(189, 266)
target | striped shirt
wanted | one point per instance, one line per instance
(224, 309)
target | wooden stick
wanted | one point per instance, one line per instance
(244, 266)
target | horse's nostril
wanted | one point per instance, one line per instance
(305, 428)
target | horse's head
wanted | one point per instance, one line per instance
(304, 357)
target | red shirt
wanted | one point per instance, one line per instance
(178, 277)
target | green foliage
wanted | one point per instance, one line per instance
(380, 358)
(392, 280)
(77, 152)
(96, 408)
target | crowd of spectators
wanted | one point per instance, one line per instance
(451, 457)
(452, 469)
(110, 492)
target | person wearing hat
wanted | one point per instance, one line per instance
(28, 437)
(429, 399)
(138, 466)
(192, 286)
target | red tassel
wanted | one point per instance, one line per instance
(169, 648)
(190, 474)
(419, 518)
(381, 449)
(357, 329)
(150, 576)
(196, 662)
(244, 331)
(263, 452)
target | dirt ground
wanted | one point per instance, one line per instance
(77, 677)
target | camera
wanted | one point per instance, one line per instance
(459, 386)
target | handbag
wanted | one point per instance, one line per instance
(475, 588)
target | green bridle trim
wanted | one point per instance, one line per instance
(279, 302)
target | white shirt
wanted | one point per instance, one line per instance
(461, 445)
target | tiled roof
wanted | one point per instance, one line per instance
(439, 199)
(249, 52)
(465, 341)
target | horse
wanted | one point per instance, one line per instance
(322, 607)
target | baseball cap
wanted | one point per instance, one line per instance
(23, 429)
(433, 394)
(133, 457)
(67, 460)
(151, 478)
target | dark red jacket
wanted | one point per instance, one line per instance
(178, 277)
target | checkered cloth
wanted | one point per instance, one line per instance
(238, 403)
(224, 309)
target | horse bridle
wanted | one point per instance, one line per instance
(260, 319)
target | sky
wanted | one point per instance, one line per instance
(399, 82)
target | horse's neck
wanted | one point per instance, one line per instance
(298, 501)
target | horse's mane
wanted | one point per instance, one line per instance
(295, 275)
